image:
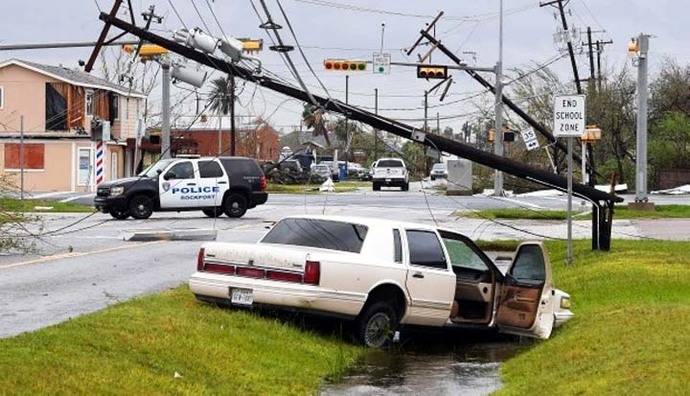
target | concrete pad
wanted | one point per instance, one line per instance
(179, 234)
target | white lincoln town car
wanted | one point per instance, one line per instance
(383, 274)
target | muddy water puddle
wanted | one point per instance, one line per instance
(429, 367)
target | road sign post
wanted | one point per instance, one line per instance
(569, 122)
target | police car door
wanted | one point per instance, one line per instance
(212, 181)
(177, 185)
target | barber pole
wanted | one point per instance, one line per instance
(99, 162)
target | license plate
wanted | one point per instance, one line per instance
(241, 296)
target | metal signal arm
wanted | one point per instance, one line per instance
(603, 201)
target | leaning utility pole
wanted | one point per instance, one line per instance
(569, 40)
(233, 136)
(498, 106)
(165, 109)
(641, 153)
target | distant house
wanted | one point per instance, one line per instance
(261, 141)
(64, 111)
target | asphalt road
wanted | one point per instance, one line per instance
(81, 264)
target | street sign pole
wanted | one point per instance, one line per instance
(569, 122)
(569, 256)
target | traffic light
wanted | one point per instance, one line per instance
(345, 65)
(427, 72)
(147, 51)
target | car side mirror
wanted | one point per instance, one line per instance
(159, 171)
(169, 176)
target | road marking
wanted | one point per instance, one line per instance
(70, 199)
(78, 254)
(521, 202)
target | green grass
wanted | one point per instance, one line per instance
(341, 187)
(621, 212)
(137, 346)
(631, 332)
(29, 205)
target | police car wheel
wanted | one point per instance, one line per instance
(235, 205)
(141, 207)
(119, 214)
(216, 212)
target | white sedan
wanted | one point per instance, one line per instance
(383, 274)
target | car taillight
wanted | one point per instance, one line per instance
(219, 268)
(284, 276)
(200, 260)
(312, 272)
(263, 183)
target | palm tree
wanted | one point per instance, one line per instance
(221, 100)
(314, 118)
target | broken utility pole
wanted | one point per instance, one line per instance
(603, 202)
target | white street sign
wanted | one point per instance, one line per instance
(382, 63)
(530, 139)
(569, 116)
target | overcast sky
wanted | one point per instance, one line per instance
(336, 32)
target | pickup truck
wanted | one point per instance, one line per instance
(390, 172)
(214, 185)
(383, 274)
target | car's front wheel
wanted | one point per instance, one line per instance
(406, 186)
(119, 214)
(377, 324)
(215, 212)
(235, 205)
(376, 186)
(141, 207)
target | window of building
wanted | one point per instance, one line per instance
(115, 107)
(210, 169)
(425, 249)
(89, 103)
(34, 156)
(324, 234)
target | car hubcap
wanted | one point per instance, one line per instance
(377, 330)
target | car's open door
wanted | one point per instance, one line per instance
(525, 305)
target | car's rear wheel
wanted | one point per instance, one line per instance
(235, 205)
(376, 186)
(377, 324)
(406, 187)
(119, 214)
(141, 207)
(215, 212)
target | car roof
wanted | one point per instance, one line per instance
(367, 221)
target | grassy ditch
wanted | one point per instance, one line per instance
(621, 212)
(631, 333)
(30, 205)
(137, 347)
(341, 187)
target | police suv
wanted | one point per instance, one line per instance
(217, 185)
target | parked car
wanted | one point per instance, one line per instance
(438, 171)
(217, 185)
(332, 172)
(383, 274)
(390, 172)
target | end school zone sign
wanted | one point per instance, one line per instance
(569, 116)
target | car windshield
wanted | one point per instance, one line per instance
(389, 164)
(439, 167)
(156, 168)
(317, 233)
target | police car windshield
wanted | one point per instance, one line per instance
(153, 170)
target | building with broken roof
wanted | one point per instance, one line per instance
(79, 130)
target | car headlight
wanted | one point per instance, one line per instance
(565, 302)
(114, 191)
